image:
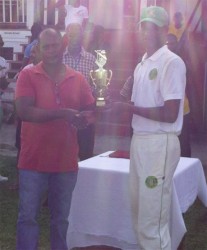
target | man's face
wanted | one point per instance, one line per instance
(50, 48)
(75, 36)
(151, 34)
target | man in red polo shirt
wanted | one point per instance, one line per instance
(48, 99)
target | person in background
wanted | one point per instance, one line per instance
(35, 31)
(177, 27)
(126, 90)
(1, 43)
(77, 58)
(126, 94)
(157, 108)
(4, 67)
(51, 100)
(35, 56)
(3, 85)
(74, 12)
(98, 41)
(184, 137)
(60, 6)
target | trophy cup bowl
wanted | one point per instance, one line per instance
(101, 79)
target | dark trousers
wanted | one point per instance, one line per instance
(86, 139)
(184, 137)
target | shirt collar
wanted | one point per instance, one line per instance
(82, 52)
(38, 69)
(157, 54)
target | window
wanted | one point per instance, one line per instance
(12, 11)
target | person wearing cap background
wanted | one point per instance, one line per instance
(157, 108)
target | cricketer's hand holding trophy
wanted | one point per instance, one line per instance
(101, 79)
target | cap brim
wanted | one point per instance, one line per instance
(151, 20)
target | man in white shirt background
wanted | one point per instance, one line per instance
(74, 12)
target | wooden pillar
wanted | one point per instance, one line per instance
(51, 12)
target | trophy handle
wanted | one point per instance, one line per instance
(109, 78)
(92, 78)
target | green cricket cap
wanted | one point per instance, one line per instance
(156, 15)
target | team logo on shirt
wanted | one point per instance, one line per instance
(153, 74)
(151, 182)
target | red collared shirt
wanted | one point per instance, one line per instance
(51, 146)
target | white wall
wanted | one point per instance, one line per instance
(14, 38)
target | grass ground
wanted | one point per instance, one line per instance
(195, 218)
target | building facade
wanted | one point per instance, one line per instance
(17, 16)
(119, 18)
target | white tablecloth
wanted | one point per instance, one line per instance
(100, 212)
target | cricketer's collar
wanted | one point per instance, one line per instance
(38, 69)
(156, 55)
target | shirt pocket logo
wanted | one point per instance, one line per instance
(153, 74)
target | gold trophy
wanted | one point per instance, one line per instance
(101, 78)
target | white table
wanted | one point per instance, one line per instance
(100, 212)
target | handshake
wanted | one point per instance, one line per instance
(82, 119)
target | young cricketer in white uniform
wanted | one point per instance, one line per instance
(157, 107)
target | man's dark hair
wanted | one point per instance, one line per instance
(49, 31)
(178, 14)
(35, 30)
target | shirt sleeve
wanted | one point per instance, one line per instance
(86, 93)
(24, 85)
(173, 81)
(126, 90)
(27, 51)
(84, 12)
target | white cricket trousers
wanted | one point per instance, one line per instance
(153, 160)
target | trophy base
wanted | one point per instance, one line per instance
(100, 103)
